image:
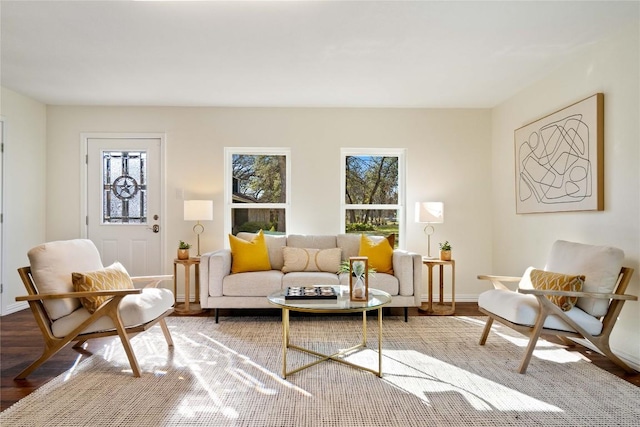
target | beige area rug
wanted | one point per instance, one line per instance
(228, 374)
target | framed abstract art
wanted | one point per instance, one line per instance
(559, 160)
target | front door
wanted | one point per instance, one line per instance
(124, 201)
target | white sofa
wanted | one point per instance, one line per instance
(221, 289)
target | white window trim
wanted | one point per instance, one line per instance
(400, 153)
(228, 193)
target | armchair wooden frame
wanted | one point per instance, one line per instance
(53, 344)
(546, 308)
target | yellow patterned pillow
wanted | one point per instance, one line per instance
(113, 277)
(249, 256)
(380, 253)
(309, 259)
(547, 280)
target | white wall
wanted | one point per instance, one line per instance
(23, 189)
(611, 67)
(448, 153)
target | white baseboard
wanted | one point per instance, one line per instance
(629, 359)
(15, 307)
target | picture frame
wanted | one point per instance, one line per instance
(359, 279)
(559, 160)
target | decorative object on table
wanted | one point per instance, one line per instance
(358, 278)
(183, 250)
(560, 160)
(198, 210)
(429, 213)
(307, 293)
(445, 251)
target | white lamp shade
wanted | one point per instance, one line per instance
(431, 212)
(198, 210)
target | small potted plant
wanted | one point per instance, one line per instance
(445, 251)
(183, 250)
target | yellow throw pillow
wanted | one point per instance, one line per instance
(113, 277)
(309, 259)
(547, 280)
(380, 253)
(249, 256)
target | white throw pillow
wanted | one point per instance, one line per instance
(310, 259)
(51, 266)
(599, 264)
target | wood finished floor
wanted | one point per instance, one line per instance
(21, 343)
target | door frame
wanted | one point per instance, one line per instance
(3, 127)
(84, 196)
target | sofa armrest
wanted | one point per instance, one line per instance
(407, 268)
(150, 281)
(214, 266)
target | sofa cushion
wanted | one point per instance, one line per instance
(275, 243)
(249, 256)
(309, 278)
(312, 241)
(380, 254)
(51, 266)
(599, 264)
(252, 284)
(350, 245)
(311, 259)
(522, 309)
(109, 278)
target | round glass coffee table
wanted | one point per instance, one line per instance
(343, 304)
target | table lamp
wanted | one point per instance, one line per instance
(198, 210)
(429, 213)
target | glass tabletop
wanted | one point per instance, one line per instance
(377, 299)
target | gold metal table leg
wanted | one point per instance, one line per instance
(380, 342)
(338, 356)
(285, 340)
(364, 328)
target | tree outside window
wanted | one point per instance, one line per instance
(258, 181)
(373, 192)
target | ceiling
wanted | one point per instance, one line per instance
(294, 54)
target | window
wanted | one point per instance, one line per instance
(124, 187)
(257, 189)
(373, 192)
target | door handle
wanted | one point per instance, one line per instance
(155, 228)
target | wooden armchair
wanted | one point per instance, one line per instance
(60, 314)
(531, 312)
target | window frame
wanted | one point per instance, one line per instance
(400, 207)
(229, 152)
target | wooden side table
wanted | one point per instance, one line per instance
(440, 308)
(185, 308)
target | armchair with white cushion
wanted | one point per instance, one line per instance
(74, 298)
(582, 300)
